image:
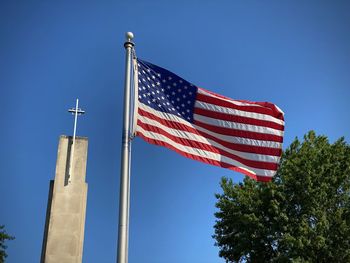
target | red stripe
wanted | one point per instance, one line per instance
(240, 133)
(244, 147)
(232, 146)
(240, 119)
(267, 109)
(207, 147)
(205, 160)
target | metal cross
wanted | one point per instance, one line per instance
(76, 112)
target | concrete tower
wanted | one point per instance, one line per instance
(66, 207)
(65, 216)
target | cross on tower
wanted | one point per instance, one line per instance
(76, 112)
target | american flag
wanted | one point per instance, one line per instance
(239, 135)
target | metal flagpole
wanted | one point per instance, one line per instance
(123, 228)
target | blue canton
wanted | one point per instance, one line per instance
(164, 91)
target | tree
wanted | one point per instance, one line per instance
(3, 237)
(303, 215)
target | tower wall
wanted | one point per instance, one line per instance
(65, 222)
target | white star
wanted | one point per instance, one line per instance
(163, 80)
(190, 93)
(188, 102)
(180, 80)
(174, 84)
(153, 77)
(183, 105)
(185, 87)
(179, 90)
(178, 99)
(184, 96)
(169, 78)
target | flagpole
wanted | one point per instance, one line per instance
(123, 228)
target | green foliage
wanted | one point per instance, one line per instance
(303, 215)
(3, 237)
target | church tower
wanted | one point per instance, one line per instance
(66, 208)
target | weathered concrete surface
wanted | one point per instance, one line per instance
(64, 230)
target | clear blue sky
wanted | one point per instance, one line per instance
(292, 53)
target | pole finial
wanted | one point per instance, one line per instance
(129, 37)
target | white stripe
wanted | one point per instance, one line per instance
(205, 154)
(253, 115)
(236, 125)
(241, 140)
(195, 137)
(279, 109)
(235, 102)
(164, 115)
(232, 139)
